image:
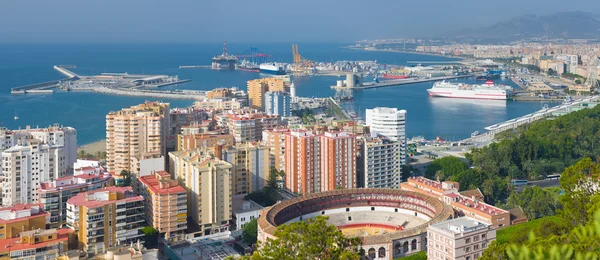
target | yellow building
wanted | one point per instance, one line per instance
(251, 166)
(258, 87)
(36, 244)
(207, 181)
(21, 217)
(104, 218)
(219, 93)
(275, 139)
(166, 208)
(580, 89)
(192, 141)
(136, 132)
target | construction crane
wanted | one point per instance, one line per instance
(301, 65)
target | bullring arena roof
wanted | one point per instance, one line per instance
(347, 198)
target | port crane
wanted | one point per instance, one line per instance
(301, 65)
(254, 55)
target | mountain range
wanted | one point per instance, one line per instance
(567, 25)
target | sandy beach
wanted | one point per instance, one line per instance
(93, 148)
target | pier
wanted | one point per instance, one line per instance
(390, 83)
(529, 118)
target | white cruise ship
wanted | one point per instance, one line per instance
(459, 90)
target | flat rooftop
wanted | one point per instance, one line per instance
(460, 225)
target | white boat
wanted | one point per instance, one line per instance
(272, 68)
(488, 90)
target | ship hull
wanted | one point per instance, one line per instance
(466, 94)
(248, 69)
(273, 72)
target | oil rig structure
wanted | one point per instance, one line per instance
(224, 61)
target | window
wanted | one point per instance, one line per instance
(347, 209)
(484, 245)
(372, 208)
(323, 212)
(467, 240)
(475, 247)
(468, 249)
(467, 258)
(482, 236)
(349, 218)
(475, 256)
(396, 210)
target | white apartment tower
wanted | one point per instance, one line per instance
(381, 163)
(31, 156)
(458, 239)
(391, 123)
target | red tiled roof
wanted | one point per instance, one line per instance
(19, 207)
(13, 244)
(81, 199)
(152, 183)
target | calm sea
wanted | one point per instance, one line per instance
(452, 119)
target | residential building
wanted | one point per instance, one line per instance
(21, 217)
(32, 156)
(208, 183)
(136, 132)
(181, 117)
(277, 103)
(472, 207)
(244, 211)
(275, 139)
(250, 166)
(219, 93)
(187, 142)
(104, 218)
(391, 123)
(36, 244)
(381, 164)
(258, 87)
(220, 104)
(165, 201)
(458, 239)
(338, 161)
(53, 195)
(302, 162)
(248, 127)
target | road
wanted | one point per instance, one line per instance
(541, 184)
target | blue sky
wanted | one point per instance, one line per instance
(255, 20)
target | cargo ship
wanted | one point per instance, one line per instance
(246, 65)
(393, 76)
(488, 90)
(272, 68)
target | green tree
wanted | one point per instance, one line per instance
(551, 72)
(449, 165)
(534, 201)
(150, 236)
(310, 239)
(580, 183)
(269, 195)
(126, 180)
(250, 232)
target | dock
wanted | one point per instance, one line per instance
(195, 67)
(529, 118)
(398, 82)
(46, 87)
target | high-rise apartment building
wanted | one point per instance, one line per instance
(166, 204)
(380, 163)
(275, 139)
(53, 195)
(104, 218)
(319, 162)
(248, 127)
(31, 156)
(391, 123)
(458, 239)
(277, 103)
(21, 217)
(208, 183)
(251, 166)
(181, 117)
(258, 87)
(302, 162)
(134, 134)
(338, 161)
